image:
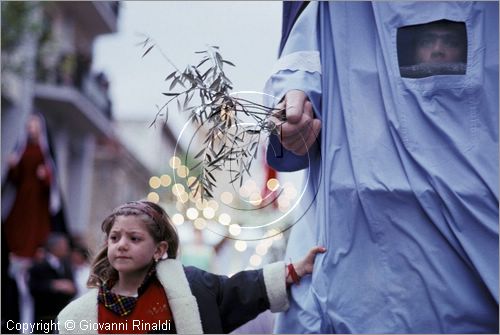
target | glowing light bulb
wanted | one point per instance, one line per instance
(240, 246)
(255, 199)
(178, 189)
(273, 184)
(261, 249)
(244, 191)
(192, 213)
(214, 204)
(226, 197)
(255, 260)
(182, 171)
(183, 197)
(178, 219)
(153, 197)
(154, 182)
(234, 229)
(175, 162)
(165, 180)
(200, 223)
(208, 212)
(225, 219)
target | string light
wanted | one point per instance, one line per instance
(255, 199)
(153, 197)
(208, 212)
(240, 246)
(226, 197)
(261, 249)
(175, 162)
(182, 171)
(273, 184)
(178, 189)
(225, 219)
(200, 223)
(244, 191)
(178, 219)
(255, 260)
(183, 197)
(214, 204)
(154, 182)
(234, 229)
(201, 204)
(192, 213)
(165, 180)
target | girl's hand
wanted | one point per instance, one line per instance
(305, 265)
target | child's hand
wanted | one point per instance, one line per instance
(305, 265)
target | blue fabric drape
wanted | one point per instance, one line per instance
(405, 181)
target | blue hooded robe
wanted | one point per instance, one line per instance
(403, 179)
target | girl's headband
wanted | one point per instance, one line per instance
(144, 208)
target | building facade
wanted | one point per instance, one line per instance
(96, 171)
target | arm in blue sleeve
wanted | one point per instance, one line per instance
(299, 68)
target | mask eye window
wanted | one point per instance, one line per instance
(435, 48)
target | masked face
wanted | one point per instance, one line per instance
(439, 45)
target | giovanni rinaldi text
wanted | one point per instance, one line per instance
(86, 325)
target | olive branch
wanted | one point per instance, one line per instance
(230, 144)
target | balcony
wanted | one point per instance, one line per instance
(97, 17)
(65, 105)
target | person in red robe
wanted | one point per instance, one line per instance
(27, 225)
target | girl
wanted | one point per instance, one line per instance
(140, 286)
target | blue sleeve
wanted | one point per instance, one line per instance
(298, 68)
(278, 157)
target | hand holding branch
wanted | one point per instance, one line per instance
(301, 129)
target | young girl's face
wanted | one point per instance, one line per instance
(131, 248)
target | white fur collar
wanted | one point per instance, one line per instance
(182, 302)
(180, 298)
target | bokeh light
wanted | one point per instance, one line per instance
(178, 219)
(208, 212)
(182, 171)
(154, 182)
(255, 260)
(273, 184)
(192, 213)
(226, 197)
(240, 246)
(200, 223)
(235, 229)
(224, 219)
(165, 180)
(153, 197)
(175, 162)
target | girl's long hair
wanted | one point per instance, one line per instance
(158, 224)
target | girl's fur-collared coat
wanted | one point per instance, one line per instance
(200, 302)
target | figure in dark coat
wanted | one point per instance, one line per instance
(51, 280)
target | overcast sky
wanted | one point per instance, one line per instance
(247, 32)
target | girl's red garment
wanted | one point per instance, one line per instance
(151, 314)
(28, 224)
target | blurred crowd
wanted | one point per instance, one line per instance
(42, 266)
